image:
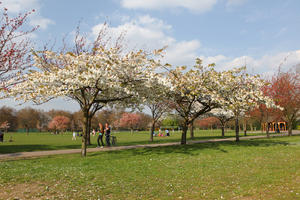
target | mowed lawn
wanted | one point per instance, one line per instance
(252, 169)
(47, 141)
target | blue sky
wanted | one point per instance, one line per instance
(230, 33)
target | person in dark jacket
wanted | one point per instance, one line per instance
(107, 134)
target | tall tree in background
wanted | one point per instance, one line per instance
(285, 90)
(27, 119)
(14, 47)
(9, 115)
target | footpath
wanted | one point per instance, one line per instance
(21, 155)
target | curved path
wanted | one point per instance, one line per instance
(20, 155)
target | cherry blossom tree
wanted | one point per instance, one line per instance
(14, 46)
(130, 120)
(192, 93)
(94, 76)
(59, 123)
(241, 92)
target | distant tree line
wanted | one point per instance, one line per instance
(29, 119)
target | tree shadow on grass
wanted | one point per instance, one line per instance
(196, 149)
(34, 147)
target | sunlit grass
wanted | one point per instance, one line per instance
(254, 169)
(47, 141)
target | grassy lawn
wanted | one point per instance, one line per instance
(46, 141)
(254, 169)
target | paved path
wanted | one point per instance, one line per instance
(19, 155)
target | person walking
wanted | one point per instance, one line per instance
(107, 134)
(100, 136)
(74, 135)
(167, 132)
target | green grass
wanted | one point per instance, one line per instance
(46, 141)
(254, 169)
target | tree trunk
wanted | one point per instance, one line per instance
(245, 127)
(27, 130)
(267, 130)
(192, 130)
(88, 142)
(183, 136)
(152, 131)
(237, 129)
(131, 130)
(223, 130)
(290, 127)
(85, 133)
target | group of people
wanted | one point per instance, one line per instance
(160, 134)
(101, 132)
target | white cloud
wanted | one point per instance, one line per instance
(199, 6)
(43, 23)
(17, 6)
(21, 6)
(150, 33)
(267, 64)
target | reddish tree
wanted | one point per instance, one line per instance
(4, 125)
(14, 46)
(130, 120)
(285, 90)
(59, 123)
(207, 122)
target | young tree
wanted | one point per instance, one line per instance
(158, 109)
(285, 90)
(59, 123)
(223, 116)
(14, 47)
(93, 77)
(130, 120)
(157, 102)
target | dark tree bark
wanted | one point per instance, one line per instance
(88, 142)
(85, 132)
(245, 127)
(184, 130)
(290, 127)
(268, 130)
(192, 130)
(223, 130)
(237, 129)
(152, 131)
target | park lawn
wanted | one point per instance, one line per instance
(47, 141)
(252, 169)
